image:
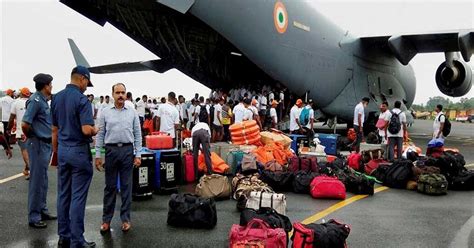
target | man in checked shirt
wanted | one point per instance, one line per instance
(119, 131)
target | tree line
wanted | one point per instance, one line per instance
(463, 104)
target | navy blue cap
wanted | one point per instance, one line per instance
(43, 79)
(81, 70)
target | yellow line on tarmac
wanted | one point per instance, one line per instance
(11, 178)
(337, 206)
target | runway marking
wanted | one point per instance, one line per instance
(462, 236)
(11, 178)
(338, 206)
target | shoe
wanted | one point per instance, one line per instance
(64, 243)
(38, 225)
(126, 226)
(48, 217)
(105, 228)
(88, 244)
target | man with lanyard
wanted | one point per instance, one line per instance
(119, 131)
(73, 127)
(359, 116)
(168, 117)
(36, 125)
(438, 124)
(16, 114)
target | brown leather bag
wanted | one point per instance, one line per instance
(214, 186)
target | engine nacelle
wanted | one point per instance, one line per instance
(456, 80)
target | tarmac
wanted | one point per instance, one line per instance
(390, 218)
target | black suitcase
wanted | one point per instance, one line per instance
(143, 177)
(167, 171)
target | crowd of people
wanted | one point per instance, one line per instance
(58, 130)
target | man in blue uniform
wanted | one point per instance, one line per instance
(36, 125)
(73, 127)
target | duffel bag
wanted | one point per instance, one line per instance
(398, 174)
(257, 200)
(269, 215)
(327, 187)
(420, 170)
(302, 180)
(272, 165)
(257, 232)
(303, 237)
(279, 181)
(432, 184)
(463, 181)
(303, 163)
(373, 165)
(187, 210)
(358, 184)
(331, 234)
(214, 186)
(381, 172)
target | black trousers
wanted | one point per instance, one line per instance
(201, 138)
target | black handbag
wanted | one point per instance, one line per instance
(188, 210)
(302, 180)
(278, 180)
(269, 215)
(463, 181)
(331, 234)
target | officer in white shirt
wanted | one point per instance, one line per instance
(248, 113)
(168, 116)
(382, 123)
(183, 115)
(263, 106)
(438, 124)
(396, 139)
(201, 137)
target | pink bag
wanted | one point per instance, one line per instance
(380, 124)
(257, 230)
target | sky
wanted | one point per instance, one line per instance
(33, 39)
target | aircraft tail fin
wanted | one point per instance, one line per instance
(157, 65)
(78, 56)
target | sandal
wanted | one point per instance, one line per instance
(105, 228)
(126, 226)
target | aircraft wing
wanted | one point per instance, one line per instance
(405, 47)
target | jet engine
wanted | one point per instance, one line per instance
(454, 77)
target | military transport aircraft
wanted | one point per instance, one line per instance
(222, 43)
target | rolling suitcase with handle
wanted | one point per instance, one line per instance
(167, 171)
(143, 178)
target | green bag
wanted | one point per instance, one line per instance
(432, 184)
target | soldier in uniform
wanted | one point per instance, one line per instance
(36, 126)
(73, 127)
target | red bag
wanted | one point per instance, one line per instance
(303, 164)
(354, 161)
(257, 230)
(158, 141)
(373, 165)
(302, 237)
(327, 187)
(189, 172)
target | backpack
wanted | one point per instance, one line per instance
(394, 126)
(447, 126)
(203, 115)
(398, 174)
(304, 116)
